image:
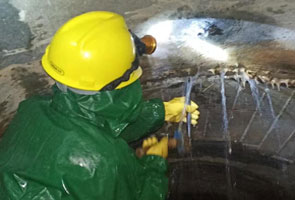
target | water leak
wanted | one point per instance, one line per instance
(272, 113)
(183, 146)
(228, 148)
(189, 85)
(251, 121)
(274, 122)
(255, 94)
(225, 119)
(270, 103)
(210, 168)
(236, 100)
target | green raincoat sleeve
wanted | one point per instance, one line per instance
(150, 119)
(66, 147)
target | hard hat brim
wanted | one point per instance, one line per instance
(57, 75)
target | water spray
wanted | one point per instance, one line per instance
(183, 144)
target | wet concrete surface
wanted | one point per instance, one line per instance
(206, 180)
(203, 175)
(29, 25)
(29, 80)
(255, 172)
(270, 173)
(17, 33)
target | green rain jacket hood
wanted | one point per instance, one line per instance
(71, 146)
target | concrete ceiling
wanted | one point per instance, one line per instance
(29, 25)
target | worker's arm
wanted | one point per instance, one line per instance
(153, 114)
(155, 182)
(150, 119)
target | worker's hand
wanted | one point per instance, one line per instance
(158, 148)
(174, 110)
(147, 143)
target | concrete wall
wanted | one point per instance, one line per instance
(27, 26)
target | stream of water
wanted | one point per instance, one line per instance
(270, 103)
(188, 88)
(228, 148)
(255, 94)
(236, 100)
(225, 119)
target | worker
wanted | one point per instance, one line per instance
(74, 143)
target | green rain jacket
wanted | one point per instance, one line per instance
(71, 146)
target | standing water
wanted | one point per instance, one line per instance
(228, 149)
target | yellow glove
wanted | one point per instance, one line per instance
(147, 143)
(174, 110)
(156, 148)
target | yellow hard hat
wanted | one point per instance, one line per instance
(91, 51)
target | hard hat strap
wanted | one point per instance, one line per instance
(125, 77)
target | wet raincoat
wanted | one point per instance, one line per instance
(71, 146)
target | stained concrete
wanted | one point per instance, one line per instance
(19, 82)
(29, 25)
(15, 35)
